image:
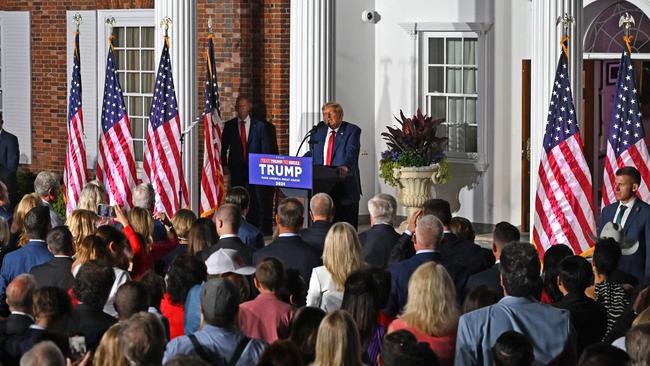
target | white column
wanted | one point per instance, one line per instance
(311, 74)
(545, 53)
(183, 50)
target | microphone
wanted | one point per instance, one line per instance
(311, 132)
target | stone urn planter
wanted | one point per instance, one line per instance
(414, 185)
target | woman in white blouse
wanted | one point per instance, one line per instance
(341, 256)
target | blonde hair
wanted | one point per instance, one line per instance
(28, 202)
(90, 248)
(431, 306)
(108, 352)
(342, 253)
(81, 224)
(142, 223)
(182, 222)
(338, 342)
(642, 318)
(91, 196)
(335, 106)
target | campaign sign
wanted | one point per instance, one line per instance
(279, 171)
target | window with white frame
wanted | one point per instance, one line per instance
(135, 59)
(450, 70)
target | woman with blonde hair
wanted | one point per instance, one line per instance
(108, 352)
(81, 224)
(29, 201)
(431, 312)
(337, 343)
(341, 256)
(91, 196)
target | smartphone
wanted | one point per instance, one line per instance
(77, 347)
(105, 210)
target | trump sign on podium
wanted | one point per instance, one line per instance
(280, 171)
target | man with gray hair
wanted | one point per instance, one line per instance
(48, 189)
(144, 196)
(426, 240)
(43, 354)
(379, 240)
(321, 211)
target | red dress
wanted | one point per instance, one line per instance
(444, 347)
(143, 261)
(175, 313)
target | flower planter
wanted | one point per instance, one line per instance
(414, 185)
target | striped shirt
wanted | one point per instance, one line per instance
(614, 298)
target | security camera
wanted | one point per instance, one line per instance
(370, 16)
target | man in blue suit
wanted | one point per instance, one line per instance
(241, 136)
(634, 216)
(337, 143)
(9, 155)
(35, 252)
(426, 239)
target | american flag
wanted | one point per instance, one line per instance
(564, 211)
(626, 144)
(162, 157)
(115, 163)
(76, 174)
(212, 186)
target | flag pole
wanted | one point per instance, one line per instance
(566, 21)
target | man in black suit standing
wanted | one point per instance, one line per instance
(504, 234)
(321, 210)
(379, 240)
(337, 144)
(57, 271)
(228, 218)
(9, 156)
(19, 299)
(243, 135)
(288, 247)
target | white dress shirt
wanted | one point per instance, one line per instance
(626, 214)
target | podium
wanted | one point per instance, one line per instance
(295, 176)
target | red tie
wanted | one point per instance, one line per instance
(242, 134)
(330, 148)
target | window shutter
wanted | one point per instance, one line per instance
(16, 78)
(88, 56)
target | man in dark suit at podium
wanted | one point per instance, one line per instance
(9, 155)
(337, 144)
(633, 215)
(243, 135)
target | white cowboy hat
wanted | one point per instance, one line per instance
(615, 231)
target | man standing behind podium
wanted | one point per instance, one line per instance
(243, 135)
(337, 144)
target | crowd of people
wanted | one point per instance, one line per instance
(146, 289)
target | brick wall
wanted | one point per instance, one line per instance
(252, 50)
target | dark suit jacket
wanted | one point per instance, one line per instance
(229, 243)
(231, 149)
(22, 260)
(90, 323)
(251, 236)
(465, 253)
(315, 234)
(589, 318)
(9, 156)
(402, 250)
(490, 277)
(14, 324)
(346, 153)
(401, 273)
(637, 226)
(56, 272)
(377, 244)
(19, 344)
(293, 252)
